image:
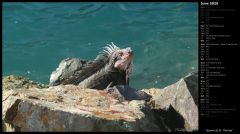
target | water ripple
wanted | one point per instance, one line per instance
(162, 35)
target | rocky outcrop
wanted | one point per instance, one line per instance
(177, 104)
(18, 82)
(68, 108)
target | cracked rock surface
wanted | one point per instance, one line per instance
(32, 106)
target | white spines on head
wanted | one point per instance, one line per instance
(114, 46)
(110, 48)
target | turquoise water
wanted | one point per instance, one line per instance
(163, 36)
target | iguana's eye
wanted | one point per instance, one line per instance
(120, 53)
(116, 58)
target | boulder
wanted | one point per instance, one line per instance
(68, 108)
(65, 71)
(177, 104)
(32, 106)
(74, 70)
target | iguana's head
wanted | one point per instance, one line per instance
(120, 59)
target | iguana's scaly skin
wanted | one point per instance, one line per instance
(124, 92)
(115, 71)
(109, 71)
(111, 65)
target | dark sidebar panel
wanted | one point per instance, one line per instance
(219, 59)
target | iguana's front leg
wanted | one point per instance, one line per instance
(126, 93)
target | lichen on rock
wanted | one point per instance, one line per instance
(17, 82)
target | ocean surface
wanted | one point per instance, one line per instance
(163, 36)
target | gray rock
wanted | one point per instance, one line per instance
(65, 73)
(177, 104)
